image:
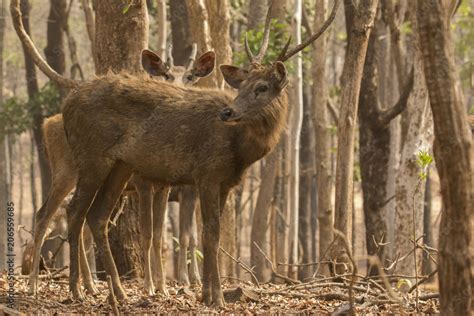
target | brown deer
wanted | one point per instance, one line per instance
(171, 135)
(64, 177)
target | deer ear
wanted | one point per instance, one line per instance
(233, 75)
(153, 64)
(281, 74)
(204, 65)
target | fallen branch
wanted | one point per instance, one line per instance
(243, 265)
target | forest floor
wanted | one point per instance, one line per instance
(325, 296)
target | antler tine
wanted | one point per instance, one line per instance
(250, 56)
(314, 36)
(169, 56)
(285, 49)
(266, 34)
(192, 57)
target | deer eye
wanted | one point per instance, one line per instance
(261, 89)
(190, 77)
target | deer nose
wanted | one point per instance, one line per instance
(226, 114)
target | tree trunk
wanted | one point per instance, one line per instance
(306, 171)
(364, 16)
(180, 35)
(32, 88)
(322, 136)
(409, 194)
(161, 27)
(257, 12)
(261, 217)
(219, 24)
(296, 125)
(200, 33)
(452, 150)
(115, 54)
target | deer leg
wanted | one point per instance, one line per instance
(210, 209)
(159, 212)
(85, 269)
(187, 204)
(77, 211)
(145, 197)
(59, 190)
(194, 276)
(98, 219)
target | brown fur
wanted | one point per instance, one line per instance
(64, 178)
(121, 124)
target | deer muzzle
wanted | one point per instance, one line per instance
(229, 115)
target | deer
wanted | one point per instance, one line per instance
(172, 135)
(64, 178)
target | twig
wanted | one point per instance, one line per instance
(243, 265)
(275, 273)
(423, 280)
(415, 239)
(119, 211)
(324, 256)
(111, 298)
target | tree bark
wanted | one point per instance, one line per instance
(200, 33)
(180, 35)
(295, 135)
(161, 27)
(322, 135)
(32, 88)
(112, 27)
(363, 21)
(219, 24)
(261, 217)
(452, 150)
(374, 149)
(409, 192)
(257, 12)
(115, 54)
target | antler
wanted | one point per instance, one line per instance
(285, 56)
(169, 56)
(38, 59)
(266, 36)
(192, 57)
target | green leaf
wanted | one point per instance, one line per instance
(126, 8)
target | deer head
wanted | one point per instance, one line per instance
(261, 86)
(195, 70)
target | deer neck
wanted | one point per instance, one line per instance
(262, 133)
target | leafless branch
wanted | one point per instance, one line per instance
(243, 265)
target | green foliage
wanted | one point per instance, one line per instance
(15, 117)
(47, 101)
(406, 28)
(423, 160)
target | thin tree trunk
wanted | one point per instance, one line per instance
(410, 191)
(296, 126)
(306, 179)
(34, 195)
(364, 16)
(161, 27)
(322, 135)
(256, 16)
(261, 217)
(32, 88)
(452, 150)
